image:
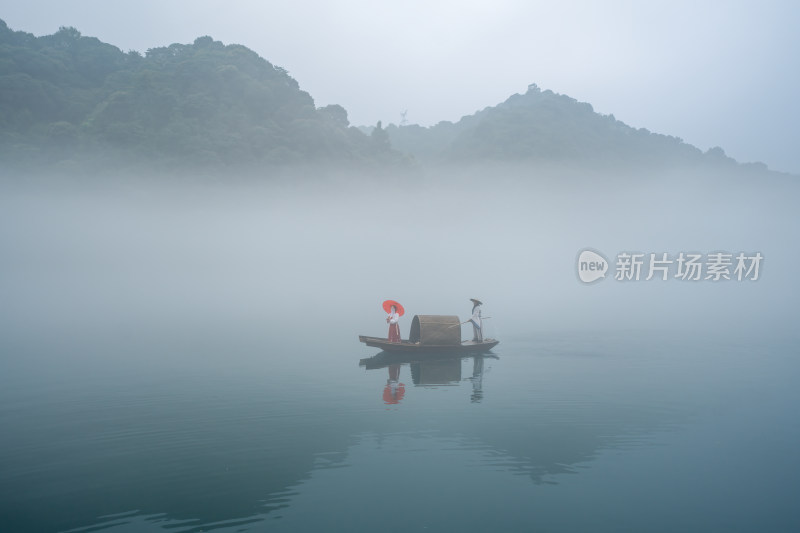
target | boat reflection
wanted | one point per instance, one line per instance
(428, 372)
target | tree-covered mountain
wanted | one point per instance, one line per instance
(545, 126)
(67, 99)
(74, 102)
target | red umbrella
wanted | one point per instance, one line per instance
(387, 306)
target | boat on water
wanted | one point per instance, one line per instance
(430, 335)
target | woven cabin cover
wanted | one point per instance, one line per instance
(435, 329)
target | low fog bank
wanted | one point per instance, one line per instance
(313, 256)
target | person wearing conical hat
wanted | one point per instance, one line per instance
(477, 323)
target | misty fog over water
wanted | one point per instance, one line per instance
(286, 253)
(194, 237)
(183, 354)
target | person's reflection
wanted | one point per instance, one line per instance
(477, 379)
(394, 390)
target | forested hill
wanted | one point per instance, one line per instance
(72, 101)
(545, 126)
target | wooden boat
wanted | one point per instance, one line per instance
(407, 346)
(432, 334)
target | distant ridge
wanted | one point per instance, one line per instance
(545, 126)
(74, 102)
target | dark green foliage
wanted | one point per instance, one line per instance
(71, 101)
(380, 139)
(545, 127)
(65, 96)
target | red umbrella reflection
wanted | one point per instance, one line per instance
(394, 390)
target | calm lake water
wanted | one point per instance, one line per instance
(233, 429)
(187, 360)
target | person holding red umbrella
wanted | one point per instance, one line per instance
(395, 311)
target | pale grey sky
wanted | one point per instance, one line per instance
(711, 72)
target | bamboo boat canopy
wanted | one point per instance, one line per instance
(435, 330)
